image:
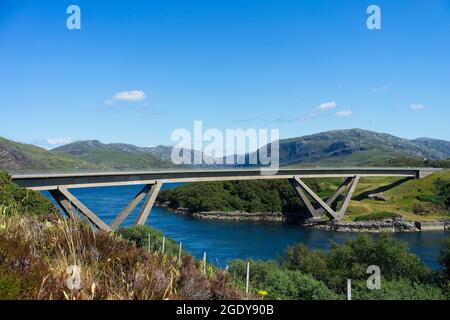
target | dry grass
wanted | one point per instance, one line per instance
(35, 253)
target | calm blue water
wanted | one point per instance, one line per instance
(229, 240)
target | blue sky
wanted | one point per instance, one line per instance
(137, 70)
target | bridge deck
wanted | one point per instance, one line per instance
(98, 179)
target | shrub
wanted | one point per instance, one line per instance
(299, 257)
(378, 216)
(15, 199)
(139, 236)
(294, 285)
(401, 289)
(280, 283)
(351, 259)
(443, 191)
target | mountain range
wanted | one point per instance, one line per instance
(358, 147)
(350, 147)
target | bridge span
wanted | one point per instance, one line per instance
(59, 184)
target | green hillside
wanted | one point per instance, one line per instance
(20, 156)
(414, 199)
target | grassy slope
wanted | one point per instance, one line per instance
(41, 159)
(400, 199)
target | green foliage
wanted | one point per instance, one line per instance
(429, 198)
(312, 274)
(444, 257)
(377, 216)
(140, 234)
(245, 196)
(290, 284)
(9, 286)
(280, 283)
(351, 259)
(299, 257)
(441, 196)
(443, 191)
(14, 199)
(401, 289)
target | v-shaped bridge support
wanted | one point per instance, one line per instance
(325, 206)
(68, 202)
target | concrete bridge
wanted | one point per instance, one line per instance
(59, 184)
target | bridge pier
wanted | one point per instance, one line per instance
(148, 204)
(325, 207)
(67, 201)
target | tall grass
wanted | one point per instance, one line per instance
(36, 252)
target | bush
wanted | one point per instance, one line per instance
(401, 289)
(14, 199)
(351, 259)
(443, 191)
(280, 283)
(299, 257)
(378, 216)
(139, 236)
(294, 285)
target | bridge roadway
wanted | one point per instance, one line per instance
(58, 185)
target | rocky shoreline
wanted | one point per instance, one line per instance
(385, 225)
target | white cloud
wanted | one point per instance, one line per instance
(134, 95)
(130, 96)
(416, 106)
(344, 113)
(327, 105)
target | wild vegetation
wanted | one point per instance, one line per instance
(312, 274)
(246, 196)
